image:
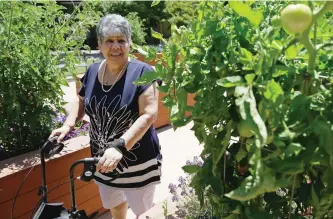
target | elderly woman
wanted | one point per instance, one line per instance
(121, 117)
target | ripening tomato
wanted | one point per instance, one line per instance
(242, 169)
(276, 21)
(245, 129)
(296, 18)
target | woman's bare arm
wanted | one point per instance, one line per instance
(76, 112)
(148, 109)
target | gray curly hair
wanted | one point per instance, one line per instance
(113, 25)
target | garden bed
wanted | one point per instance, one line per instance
(14, 170)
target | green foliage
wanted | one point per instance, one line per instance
(181, 12)
(147, 15)
(246, 68)
(34, 36)
(138, 29)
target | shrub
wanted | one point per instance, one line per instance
(33, 38)
(188, 205)
(138, 29)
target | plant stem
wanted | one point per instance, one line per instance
(324, 45)
(292, 195)
(311, 48)
(325, 8)
(10, 23)
(315, 33)
(70, 17)
(312, 54)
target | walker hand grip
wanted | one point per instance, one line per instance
(93, 160)
(51, 147)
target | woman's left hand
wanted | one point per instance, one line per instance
(109, 161)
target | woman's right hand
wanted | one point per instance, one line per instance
(61, 132)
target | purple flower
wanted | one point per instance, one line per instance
(188, 162)
(172, 188)
(183, 193)
(182, 180)
(175, 198)
(195, 161)
(60, 119)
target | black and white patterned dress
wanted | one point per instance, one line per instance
(111, 114)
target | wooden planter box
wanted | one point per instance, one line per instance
(14, 170)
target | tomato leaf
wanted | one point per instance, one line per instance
(255, 214)
(248, 110)
(230, 81)
(154, 3)
(249, 78)
(280, 70)
(299, 108)
(240, 154)
(147, 78)
(325, 203)
(191, 168)
(291, 52)
(245, 56)
(273, 91)
(256, 183)
(293, 149)
(243, 9)
(156, 34)
(225, 142)
(288, 166)
(232, 216)
(324, 132)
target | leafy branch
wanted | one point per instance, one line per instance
(10, 23)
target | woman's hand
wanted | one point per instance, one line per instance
(61, 132)
(109, 161)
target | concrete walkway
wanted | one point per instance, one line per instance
(177, 147)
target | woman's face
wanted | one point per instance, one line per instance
(115, 49)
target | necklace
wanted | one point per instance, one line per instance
(121, 72)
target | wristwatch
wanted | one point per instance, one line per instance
(119, 145)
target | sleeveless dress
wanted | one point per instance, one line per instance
(112, 114)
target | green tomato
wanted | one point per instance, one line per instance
(270, 139)
(248, 143)
(244, 129)
(263, 111)
(296, 18)
(276, 21)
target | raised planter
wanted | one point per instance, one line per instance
(141, 57)
(14, 170)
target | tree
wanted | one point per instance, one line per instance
(182, 13)
(150, 17)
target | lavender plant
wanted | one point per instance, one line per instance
(188, 204)
(81, 128)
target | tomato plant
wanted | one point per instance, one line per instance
(245, 68)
